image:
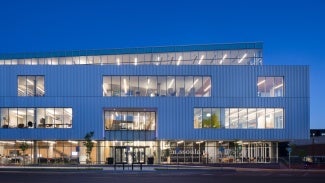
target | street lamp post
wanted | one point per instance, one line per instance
(289, 149)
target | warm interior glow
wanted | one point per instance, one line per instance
(135, 61)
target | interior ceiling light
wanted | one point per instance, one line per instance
(179, 60)
(244, 56)
(171, 83)
(223, 58)
(207, 88)
(202, 57)
(261, 82)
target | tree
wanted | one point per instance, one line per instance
(23, 146)
(211, 122)
(215, 121)
(89, 144)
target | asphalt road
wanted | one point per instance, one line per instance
(168, 176)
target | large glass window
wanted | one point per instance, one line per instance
(36, 117)
(239, 118)
(212, 57)
(153, 86)
(270, 87)
(31, 86)
(130, 120)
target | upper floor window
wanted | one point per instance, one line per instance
(270, 87)
(36, 117)
(31, 86)
(239, 118)
(130, 120)
(154, 86)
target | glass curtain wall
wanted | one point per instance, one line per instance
(136, 152)
(154, 86)
(218, 57)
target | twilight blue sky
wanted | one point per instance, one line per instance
(293, 32)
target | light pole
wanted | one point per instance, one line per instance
(312, 147)
(289, 149)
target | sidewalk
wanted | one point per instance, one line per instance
(150, 168)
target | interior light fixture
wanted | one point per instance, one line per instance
(68, 111)
(50, 142)
(39, 88)
(125, 87)
(280, 85)
(223, 58)
(30, 82)
(244, 56)
(158, 60)
(207, 88)
(118, 61)
(202, 57)
(73, 142)
(261, 82)
(104, 88)
(193, 84)
(179, 142)
(179, 60)
(22, 91)
(171, 83)
(135, 61)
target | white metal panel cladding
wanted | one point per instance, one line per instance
(80, 87)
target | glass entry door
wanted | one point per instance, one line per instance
(139, 154)
(129, 155)
(121, 155)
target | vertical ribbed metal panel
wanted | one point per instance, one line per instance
(80, 87)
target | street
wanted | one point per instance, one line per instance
(167, 176)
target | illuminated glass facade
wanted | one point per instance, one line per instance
(192, 104)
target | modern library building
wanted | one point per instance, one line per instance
(193, 104)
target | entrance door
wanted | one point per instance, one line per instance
(121, 155)
(129, 155)
(139, 154)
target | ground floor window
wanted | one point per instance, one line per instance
(136, 152)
